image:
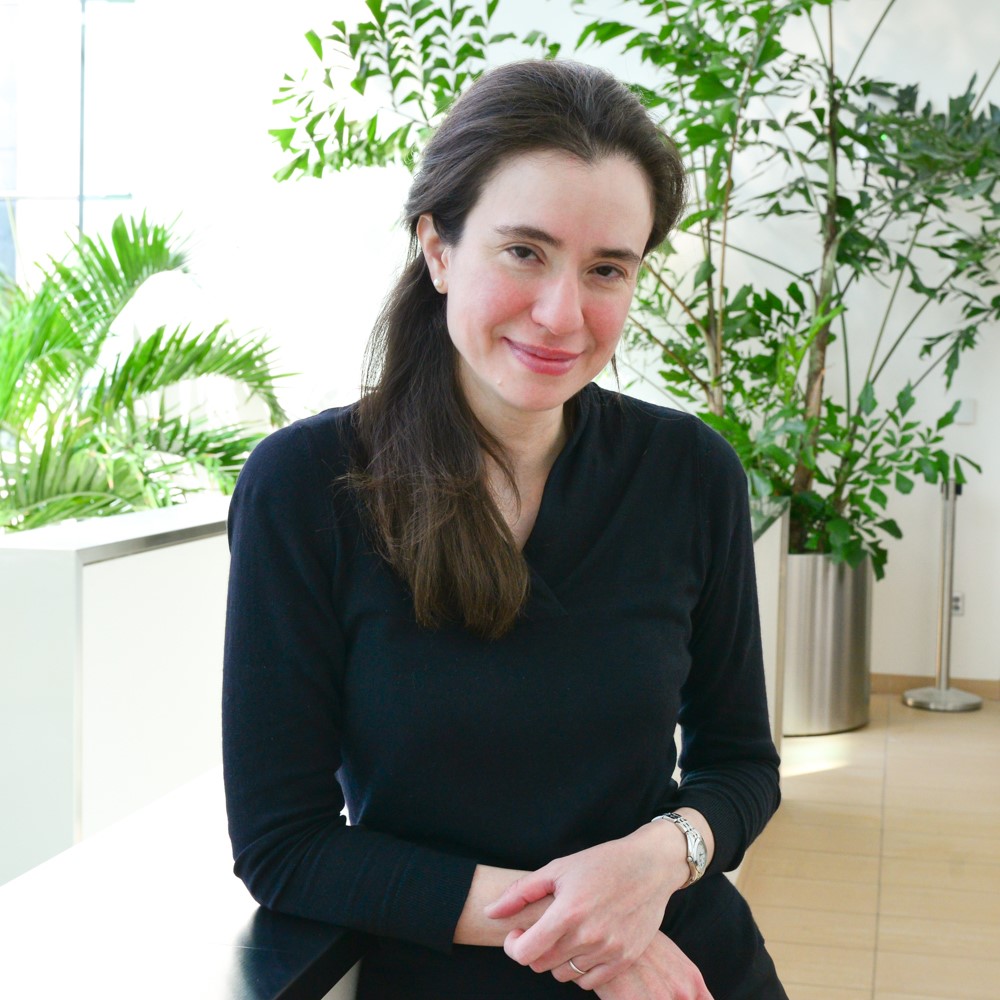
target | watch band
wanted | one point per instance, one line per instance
(697, 853)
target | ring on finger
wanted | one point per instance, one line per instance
(575, 968)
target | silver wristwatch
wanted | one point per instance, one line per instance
(697, 856)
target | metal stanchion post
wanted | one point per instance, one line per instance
(943, 698)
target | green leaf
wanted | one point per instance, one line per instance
(603, 32)
(705, 271)
(284, 137)
(83, 437)
(948, 418)
(905, 399)
(703, 134)
(890, 528)
(710, 87)
(377, 11)
(317, 45)
(903, 483)
(839, 531)
(866, 400)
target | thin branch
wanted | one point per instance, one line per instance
(868, 41)
(800, 160)
(819, 43)
(847, 355)
(680, 362)
(906, 329)
(892, 298)
(673, 294)
(699, 205)
(913, 319)
(986, 86)
(741, 106)
(941, 357)
(766, 260)
(890, 217)
(846, 470)
(705, 226)
(658, 386)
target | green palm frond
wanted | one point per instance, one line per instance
(41, 359)
(165, 359)
(96, 282)
(194, 451)
(65, 474)
(78, 439)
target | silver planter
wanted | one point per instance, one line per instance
(827, 646)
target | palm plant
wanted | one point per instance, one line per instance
(80, 437)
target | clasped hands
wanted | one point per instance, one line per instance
(605, 909)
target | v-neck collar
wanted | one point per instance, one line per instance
(545, 549)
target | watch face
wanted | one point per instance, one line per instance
(701, 855)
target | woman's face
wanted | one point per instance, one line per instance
(541, 281)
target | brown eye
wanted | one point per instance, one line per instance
(522, 252)
(610, 271)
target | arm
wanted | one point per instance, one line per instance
(728, 763)
(282, 720)
(729, 767)
(475, 927)
(606, 903)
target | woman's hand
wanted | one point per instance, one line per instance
(607, 905)
(662, 972)
(475, 927)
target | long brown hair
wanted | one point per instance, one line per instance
(419, 466)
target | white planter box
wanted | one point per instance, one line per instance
(110, 678)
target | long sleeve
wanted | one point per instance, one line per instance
(729, 766)
(451, 750)
(283, 719)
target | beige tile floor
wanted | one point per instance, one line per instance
(879, 878)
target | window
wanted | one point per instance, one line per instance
(60, 170)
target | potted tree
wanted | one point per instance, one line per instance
(855, 185)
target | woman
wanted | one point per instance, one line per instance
(476, 603)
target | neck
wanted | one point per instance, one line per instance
(532, 441)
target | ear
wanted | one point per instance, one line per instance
(435, 251)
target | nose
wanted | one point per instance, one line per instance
(559, 304)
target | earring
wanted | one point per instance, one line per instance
(438, 283)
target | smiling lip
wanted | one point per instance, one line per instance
(543, 360)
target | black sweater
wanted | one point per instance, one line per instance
(452, 750)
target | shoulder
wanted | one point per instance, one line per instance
(314, 448)
(289, 482)
(667, 431)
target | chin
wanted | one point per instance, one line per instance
(541, 400)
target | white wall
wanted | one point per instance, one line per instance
(938, 46)
(306, 261)
(309, 261)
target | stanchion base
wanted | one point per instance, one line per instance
(942, 700)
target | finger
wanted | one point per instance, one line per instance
(565, 973)
(538, 966)
(597, 976)
(538, 946)
(569, 972)
(527, 889)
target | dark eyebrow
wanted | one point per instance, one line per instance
(540, 236)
